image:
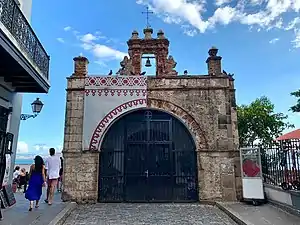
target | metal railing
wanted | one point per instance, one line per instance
(281, 164)
(13, 19)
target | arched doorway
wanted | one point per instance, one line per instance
(148, 155)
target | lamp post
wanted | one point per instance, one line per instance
(37, 106)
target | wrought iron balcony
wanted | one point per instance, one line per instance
(19, 28)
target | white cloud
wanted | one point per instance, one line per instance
(296, 41)
(222, 2)
(292, 24)
(41, 147)
(38, 149)
(103, 51)
(68, 28)
(44, 148)
(263, 14)
(101, 63)
(22, 147)
(223, 16)
(88, 38)
(61, 40)
(274, 40)
(91, 42)
(189, 31)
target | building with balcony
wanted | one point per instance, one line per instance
(24, 68)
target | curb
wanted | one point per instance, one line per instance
(63, 215)
(233, 215)
(286, 208)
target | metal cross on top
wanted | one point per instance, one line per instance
(147, 15)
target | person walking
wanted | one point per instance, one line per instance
(37, 180)
(23, 179)
(16, 173)
(52, 168)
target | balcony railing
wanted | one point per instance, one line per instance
(15, 22)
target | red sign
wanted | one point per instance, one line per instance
(250, 168)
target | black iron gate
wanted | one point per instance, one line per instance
(147, 156)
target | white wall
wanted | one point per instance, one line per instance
(26, 6)
(106, 98)
(14, 125)
(8, 98)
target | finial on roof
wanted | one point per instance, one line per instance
(148, 33)
(80, 66)
(135, 35)
(160, 34)
(213, 51)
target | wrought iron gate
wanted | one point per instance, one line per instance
(146, 156)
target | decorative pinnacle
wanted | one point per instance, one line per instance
(213, 51)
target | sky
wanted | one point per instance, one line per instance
(259, 41)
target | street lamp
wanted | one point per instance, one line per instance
(37, 106)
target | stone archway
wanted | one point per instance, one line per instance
(148, 155)
(192, 125)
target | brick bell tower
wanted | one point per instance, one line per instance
(159, 47)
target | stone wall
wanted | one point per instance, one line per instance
(208, 102)
(80, 168)
(81, 177)
(203, 103)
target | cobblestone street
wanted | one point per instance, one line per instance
(154, 214)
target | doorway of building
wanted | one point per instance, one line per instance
(148, 156)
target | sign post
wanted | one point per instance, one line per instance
(252, 178)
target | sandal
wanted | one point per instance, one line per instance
(30, 207)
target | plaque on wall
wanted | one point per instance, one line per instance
(9, 195)
(3, 200)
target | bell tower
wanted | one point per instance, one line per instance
(159, 47)
(137, 47)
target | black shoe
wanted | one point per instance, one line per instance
(30, 209)
(46, 201)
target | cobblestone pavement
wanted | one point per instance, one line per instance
(144, 214)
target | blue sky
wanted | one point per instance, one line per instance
(259, 41)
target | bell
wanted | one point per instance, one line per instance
(148, 63)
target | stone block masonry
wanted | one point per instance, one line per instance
(205, 104)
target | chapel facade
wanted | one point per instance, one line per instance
(166, 138)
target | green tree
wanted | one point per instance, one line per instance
(258, 122)
(296, 108)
